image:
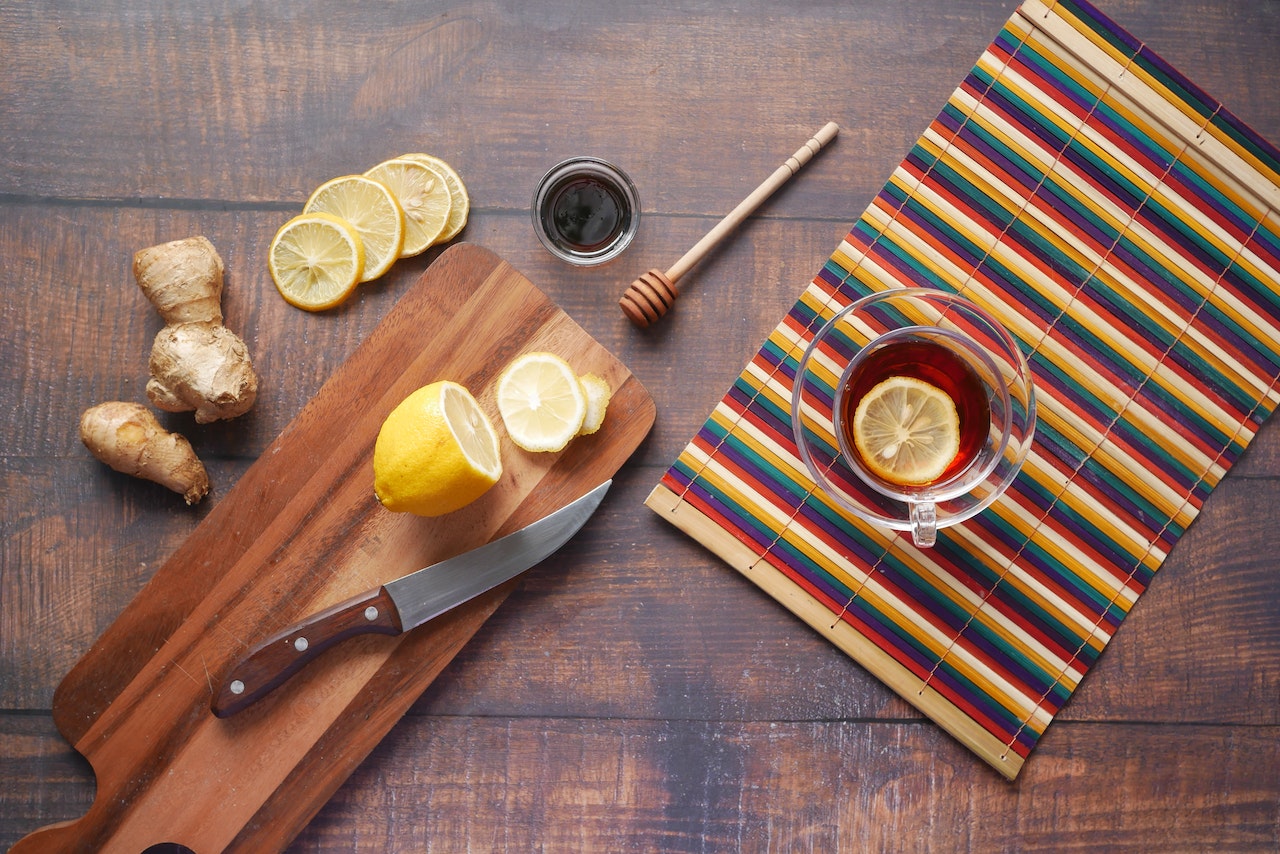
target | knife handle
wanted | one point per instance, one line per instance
(269, 664)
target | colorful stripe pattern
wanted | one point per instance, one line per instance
(1122, 225)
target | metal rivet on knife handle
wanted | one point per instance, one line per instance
(400, 604)
(650, 297)
(273, 661)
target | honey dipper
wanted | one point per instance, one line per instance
(650, 297)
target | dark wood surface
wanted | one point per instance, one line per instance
(292, 538)
(643, 697)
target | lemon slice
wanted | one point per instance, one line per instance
(541, 402)
(435, 453)
(461, 202)
(597, 393)
(374, 212)
(316, 261)
(906, 431)
(423, 196)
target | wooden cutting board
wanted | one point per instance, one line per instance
(302, 530)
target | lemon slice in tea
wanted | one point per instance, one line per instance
(906, 431)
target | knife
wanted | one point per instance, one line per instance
(403, 604)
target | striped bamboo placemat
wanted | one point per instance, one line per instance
(1122, 225)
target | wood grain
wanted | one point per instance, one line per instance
(635, 785)
(300, 531)
(637, 695)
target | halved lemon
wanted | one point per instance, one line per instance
(907, 431)
(460, 202)
(541, 402)
(316, 261)
(374, 212)
(423, 196)
(597, 392)
(436, 452)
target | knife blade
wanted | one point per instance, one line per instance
(401, 605)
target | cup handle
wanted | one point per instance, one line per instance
(924, 523)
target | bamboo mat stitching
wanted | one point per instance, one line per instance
(893, 543)
(1047, 332)
(847, 288)
(1190, 492)
(793, 354)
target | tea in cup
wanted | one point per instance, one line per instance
(914, 409)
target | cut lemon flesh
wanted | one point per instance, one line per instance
(316, 260)
(436, 452)
(907, 431)
(372, 210)
(541, 402)
(597, 393)
(423, 196)
(460, 205)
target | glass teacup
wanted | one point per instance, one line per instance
(940, 339)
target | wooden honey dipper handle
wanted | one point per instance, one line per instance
(650, 297)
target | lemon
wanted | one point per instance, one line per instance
(541, 402)
(435, 453)
(374, 212)
(316, 261)
(460, 202)
(423, 196)
(597, 393)
(906, 431)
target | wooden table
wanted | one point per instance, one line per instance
(642, 697)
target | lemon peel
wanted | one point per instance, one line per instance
(597, 392)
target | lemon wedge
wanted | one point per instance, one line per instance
(541, 402)
(372, 210)
(460, 206)
(316, 261)
(597, 393)
(436, 452)
(907, 431)
(423, 196)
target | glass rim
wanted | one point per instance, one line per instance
(799, 429)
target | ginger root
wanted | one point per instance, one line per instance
(127, 437)
(183, 280)
(196, 362)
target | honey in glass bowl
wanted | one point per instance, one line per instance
(586, 211)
